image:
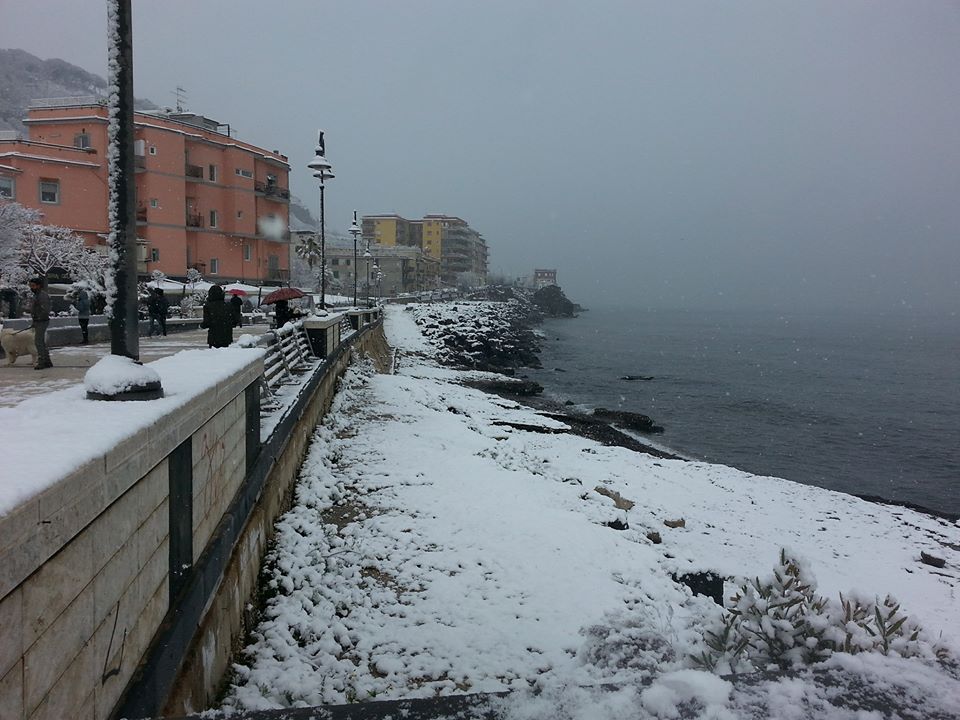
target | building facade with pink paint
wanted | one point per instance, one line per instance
(205, 200)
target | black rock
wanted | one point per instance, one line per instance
(629, 420)
(704, 583)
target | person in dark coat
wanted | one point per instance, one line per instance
(283, 313)
(157, 307)
(217, 318)
(236, 304)
(40, 313)
(81, 301)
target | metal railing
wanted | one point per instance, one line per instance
(193, 171)
(271, 190)
(194, 220)
(72, 101)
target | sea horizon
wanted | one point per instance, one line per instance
(860, 401)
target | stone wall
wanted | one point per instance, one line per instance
(201, 676)
(123, 587)
(88, 568)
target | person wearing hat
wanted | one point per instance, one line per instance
(40, 313)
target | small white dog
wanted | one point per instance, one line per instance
(15, 344)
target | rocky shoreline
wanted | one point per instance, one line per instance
(494, 331)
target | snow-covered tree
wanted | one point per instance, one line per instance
(29, 248)
(305, 265)
(193, 277)
(14, 220)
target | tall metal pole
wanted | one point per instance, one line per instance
(323, 252)
(354, 259)
(124, 321)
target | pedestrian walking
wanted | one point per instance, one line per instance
(236, 304)
(282, 313)
(40, 313)
(81, 301)
(217, 318)
(157, 307)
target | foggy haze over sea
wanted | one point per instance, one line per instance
(688, 155)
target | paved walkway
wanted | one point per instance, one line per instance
(70, 364)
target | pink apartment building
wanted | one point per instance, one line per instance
(204, 199)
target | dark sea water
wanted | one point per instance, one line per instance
(862, 404)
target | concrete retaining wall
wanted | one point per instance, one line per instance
(88, 568)
(223, 626)
(123, 587)
(64, 331)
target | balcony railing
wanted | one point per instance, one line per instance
(193, 171)
(141, 214)
(271, 190)
(194, 220)
(139, 162)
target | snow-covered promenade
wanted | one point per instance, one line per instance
(439, 545)
(71, 362)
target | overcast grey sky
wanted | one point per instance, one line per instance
(787, 154)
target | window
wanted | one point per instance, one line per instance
(247, 252)
(154, 203)
(212, 173)
(336, 274)
(50, 192)
(244, 173)
(8, 190)
(214, 266)
(239, 214)
(81, 140)
(154, 255)
(347, 261)
(213, 218)
(153, 149)
(335, 261)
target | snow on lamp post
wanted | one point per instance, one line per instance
(355, 232)
(120, 376)
(367, 256)
(323, 171)
(376, 279)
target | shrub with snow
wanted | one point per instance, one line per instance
(781, 623)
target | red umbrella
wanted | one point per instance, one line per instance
(236, 291)
(286, 293)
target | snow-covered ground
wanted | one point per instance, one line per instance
(436, 547)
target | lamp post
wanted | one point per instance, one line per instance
(376, 278)
(355, 231)
(323, 171)
(367, 256)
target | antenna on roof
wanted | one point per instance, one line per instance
(181, 95)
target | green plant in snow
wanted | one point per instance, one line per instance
(781, 622)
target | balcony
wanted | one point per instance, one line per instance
(139, 163)
(141, 214)
(272, 191)
(193, 172)
(194, 220)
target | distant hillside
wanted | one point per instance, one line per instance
(25, 77)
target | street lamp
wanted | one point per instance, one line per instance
(367, 255)
(376, 278)
(323, 171)
(355, 231)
